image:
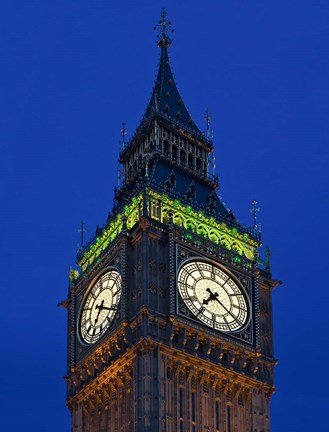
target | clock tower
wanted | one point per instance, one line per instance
(169, 315)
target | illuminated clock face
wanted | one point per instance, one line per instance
(100, 306)
(213, 296)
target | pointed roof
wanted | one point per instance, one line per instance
(166, 101)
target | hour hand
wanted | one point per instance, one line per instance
(100, 306)
(108, 308)
(206, 301)
(212, 296)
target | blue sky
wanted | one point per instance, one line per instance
(71, 72)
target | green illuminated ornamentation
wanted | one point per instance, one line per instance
(111, 232)
(160, 205)
(208, 227)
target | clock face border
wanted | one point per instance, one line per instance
(247, 296)
(90, 287)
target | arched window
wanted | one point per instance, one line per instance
(198, 165)
(192, 190)
(166, 148)
(190, 161)
(174, 152)
(171, 180)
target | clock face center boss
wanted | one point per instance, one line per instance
(213, 295)
(99, 306)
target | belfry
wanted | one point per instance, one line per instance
(170, 313)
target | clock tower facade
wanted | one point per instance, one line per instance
(169, 316)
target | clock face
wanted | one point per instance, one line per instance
(213, 296)
(100, 306)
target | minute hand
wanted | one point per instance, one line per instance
(230, 313)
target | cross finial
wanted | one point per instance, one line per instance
(255, 210)
(164, 25)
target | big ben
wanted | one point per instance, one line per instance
(170, 313)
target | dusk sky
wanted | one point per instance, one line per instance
(71, 71)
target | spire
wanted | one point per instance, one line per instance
(166, 101)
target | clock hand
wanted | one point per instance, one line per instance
(230, 313)
(108, 308)
(212, 296)
(99, 307)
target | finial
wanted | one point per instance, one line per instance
(207, 119)
(164, 25)
(255, 210)
(73, 274)
(123, 132)
(82, 231)
(209, 132)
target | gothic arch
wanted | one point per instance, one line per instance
(190, 224)
(203, 230)
(179, 219)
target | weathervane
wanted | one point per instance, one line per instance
(82, 231)
(164, 25)
(255, 210)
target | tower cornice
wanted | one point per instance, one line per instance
(178, 358)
